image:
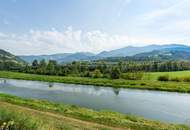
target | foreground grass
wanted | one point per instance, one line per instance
(149, 84)
(15, 117)
(10, 120)
(111, 119)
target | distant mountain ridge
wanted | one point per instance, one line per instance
(131, 50)
(122, 52)
(64, 57)
(166, 54)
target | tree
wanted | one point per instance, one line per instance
(42, 67)
(97, 73)
(42, 63)
(51, 67)
(115, 73)
(35, 64)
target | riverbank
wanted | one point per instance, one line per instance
(108, 120)
(150, 84)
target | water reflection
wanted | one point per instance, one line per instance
(3, 83)
(116, 91)
(50, 85)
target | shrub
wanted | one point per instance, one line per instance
(176, 79)
(163, 78)
(143, 84)
(186, 79)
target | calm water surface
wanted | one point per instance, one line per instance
(163, 106)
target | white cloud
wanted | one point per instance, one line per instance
(70, 40)
(53, 41)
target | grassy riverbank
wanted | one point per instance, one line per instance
(148, 82)
(109, 120)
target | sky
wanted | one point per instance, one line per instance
(34, 27)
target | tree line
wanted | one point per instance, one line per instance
(98, 69)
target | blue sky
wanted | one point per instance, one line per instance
(60, 26)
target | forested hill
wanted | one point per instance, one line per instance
(8, 59)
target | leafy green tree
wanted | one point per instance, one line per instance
(35, 64)
(51, 67)
(42, 67)
(97, 73)
(115, 73)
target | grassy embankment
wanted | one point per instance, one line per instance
(37, 114)
(149, 81)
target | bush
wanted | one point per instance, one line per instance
(163, 78)
(133, 76)
(176, 79)
(186, 79)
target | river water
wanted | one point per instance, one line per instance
(163, 106)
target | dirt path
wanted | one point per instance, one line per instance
(65, 119)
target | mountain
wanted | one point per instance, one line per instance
(130, 50)
(56, 57)
(166, 54)
(8, 57)
(64, 57)
(83, 56)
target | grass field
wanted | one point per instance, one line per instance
(44, 115)
(148, 82)
(155, 75)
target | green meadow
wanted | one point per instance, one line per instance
(155, 75)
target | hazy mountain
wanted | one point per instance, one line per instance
(65, 57)
(8, 57)
(57, 57)
(137, 52)
(130, 50)
(79, 56)
(166, 54)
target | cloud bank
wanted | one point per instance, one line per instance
(48, 42)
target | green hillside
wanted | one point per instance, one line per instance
(8, 60)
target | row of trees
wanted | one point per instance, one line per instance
(103, 69)
(83, 69)
(165, 66)
(98, 69)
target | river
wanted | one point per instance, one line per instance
(163, 106)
